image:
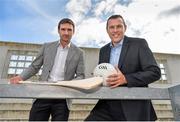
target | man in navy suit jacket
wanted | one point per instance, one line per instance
(136, 67)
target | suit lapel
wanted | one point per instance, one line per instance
(107, 55)
(53, 53)
(70, 54)
(123, 51)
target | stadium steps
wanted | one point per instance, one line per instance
(18, 110)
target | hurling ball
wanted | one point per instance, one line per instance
(104, 70)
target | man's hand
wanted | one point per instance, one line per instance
(15, 80)
(117, 79)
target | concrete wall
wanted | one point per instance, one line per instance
(172, 61)
(7, 48)
(3, 54)
(91, 60)
(172, 65)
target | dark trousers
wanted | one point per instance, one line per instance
(43, 108)
(102, 112)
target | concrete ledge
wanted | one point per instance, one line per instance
(45, 91)
(28, 91)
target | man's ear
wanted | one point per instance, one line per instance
(73, 31)
(107, 30)
(125, 27)
(58, 31)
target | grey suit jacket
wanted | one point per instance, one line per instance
(74, 66)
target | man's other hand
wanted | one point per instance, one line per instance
(15, 80)
(116, 79)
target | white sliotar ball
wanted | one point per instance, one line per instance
(104, 70)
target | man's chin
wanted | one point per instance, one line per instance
(66, 40)
(116, 40)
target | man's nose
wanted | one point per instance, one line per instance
(66, 32)
(115, 29)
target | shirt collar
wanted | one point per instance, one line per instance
(118, 44)
(68, 46)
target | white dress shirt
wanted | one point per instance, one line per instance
(57, 72)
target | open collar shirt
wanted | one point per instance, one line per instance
(115, 52)
(57, 72)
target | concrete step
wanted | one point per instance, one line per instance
(167, 113)
(15, 106)
(163, 108)
(165, 120)
(13, 119)
(21, 114)
(73, 114)
(83, 107)
(14, 114)
(162, 102)
(12, 110)
(27, 106)
(78, 115)
(165, 116)
(11, 100)
(24, 106)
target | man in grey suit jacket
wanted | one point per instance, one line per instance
(136, 67)
(61, 60)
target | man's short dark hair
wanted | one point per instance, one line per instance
(66, 20)
(115, 17)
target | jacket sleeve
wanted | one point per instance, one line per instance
(35, 65)
(149, 70)
(80, 70)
